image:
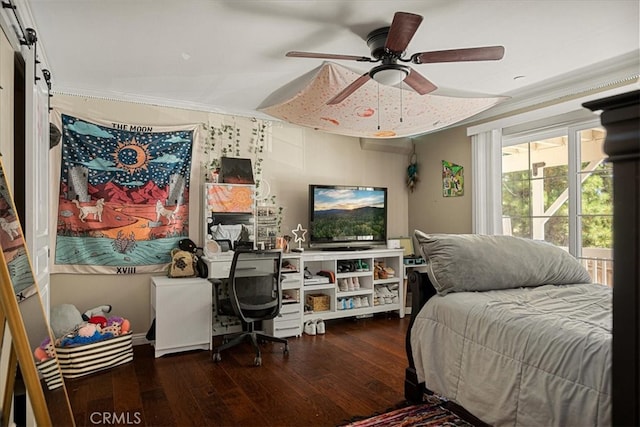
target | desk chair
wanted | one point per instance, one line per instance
(253, 292)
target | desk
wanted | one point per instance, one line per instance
(288, 323)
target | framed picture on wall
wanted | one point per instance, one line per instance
(452, 179)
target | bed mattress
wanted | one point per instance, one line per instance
(525, 357)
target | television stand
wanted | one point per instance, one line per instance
(346, 248)
(341, 297)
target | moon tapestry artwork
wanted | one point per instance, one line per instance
(123, 195)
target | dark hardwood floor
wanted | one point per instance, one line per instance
(356, 369)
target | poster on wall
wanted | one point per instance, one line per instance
(452, 179)
(123, 200)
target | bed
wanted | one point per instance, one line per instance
(512, 330)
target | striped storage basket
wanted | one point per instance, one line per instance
(50, 373)
(77, 361)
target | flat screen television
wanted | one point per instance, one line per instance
(347, 217)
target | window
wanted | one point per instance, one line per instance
(556, 186)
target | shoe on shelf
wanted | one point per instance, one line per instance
(342, 284)
(357, 303)
(310, 328)
(356, 283)
(350, 284)
(387, 294)
(320, 329)
(364, 301)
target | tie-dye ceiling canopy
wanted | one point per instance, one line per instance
(372, 111)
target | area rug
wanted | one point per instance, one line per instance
(431, 413)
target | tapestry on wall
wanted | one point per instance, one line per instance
(452, 179)
(123, 200)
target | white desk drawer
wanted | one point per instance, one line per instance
(288, 332)
(290, 310)
(219, 269)
(280, 324)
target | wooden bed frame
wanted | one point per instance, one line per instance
(621, 118)
(421, 291)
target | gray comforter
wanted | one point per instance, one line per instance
(527, 357)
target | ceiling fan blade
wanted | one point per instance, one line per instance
(403, 27)
(295, 54)
(488, 53)
(344, 93)
(419, 83)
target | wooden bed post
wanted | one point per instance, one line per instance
(621, 118)
(421, 291)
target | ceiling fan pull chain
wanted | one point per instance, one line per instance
(378, 106)
(401, 101)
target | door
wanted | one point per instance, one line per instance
(36, 221)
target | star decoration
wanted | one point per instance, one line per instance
(299, 233)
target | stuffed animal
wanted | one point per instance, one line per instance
(98, 320)
(100, 310)
(72, 328)
(182, 264)
(86, 335)
(45, 351)
(88, 330)
(117, 326)
(64, 319)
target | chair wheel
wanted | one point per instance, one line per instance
(216, 357)
(257, 361)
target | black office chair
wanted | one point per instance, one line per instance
(253, 293)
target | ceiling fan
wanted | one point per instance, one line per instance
(388, 45)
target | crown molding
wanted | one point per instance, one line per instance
(619, 71)
(159, 102)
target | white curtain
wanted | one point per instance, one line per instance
(486, 199)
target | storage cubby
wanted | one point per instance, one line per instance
(354, 286)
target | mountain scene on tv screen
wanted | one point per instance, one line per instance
(336, 223)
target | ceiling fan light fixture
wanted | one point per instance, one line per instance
(389, 74)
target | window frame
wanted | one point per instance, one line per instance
(487, 148)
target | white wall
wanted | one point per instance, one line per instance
(295, 158)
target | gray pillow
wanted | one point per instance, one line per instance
(476, 262)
